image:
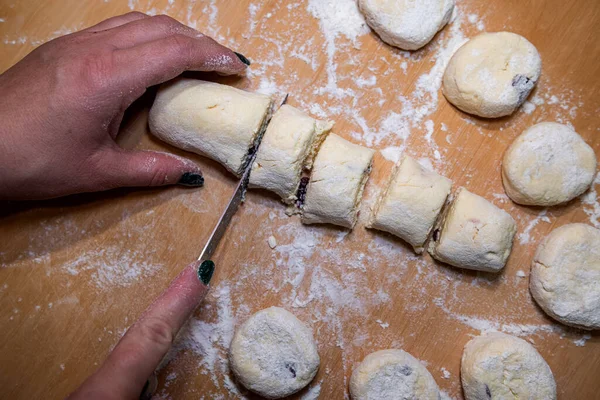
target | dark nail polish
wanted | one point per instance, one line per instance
(191, 179)
(242, 58)
(205, 271)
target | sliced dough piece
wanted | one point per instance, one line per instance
(411, 203)
(548, 164)
(340, 172)
(217, 121)
(565, 275)
(474, 234)
(392, 374)
(286, 149)
(492, 74)
(407, 24)
(500, 366)
(274, 354)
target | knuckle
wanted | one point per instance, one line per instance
(135, 14)
(167, 23)
(183, 45)
(95, 70)
(156, 331)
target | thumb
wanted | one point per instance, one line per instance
(121, 168)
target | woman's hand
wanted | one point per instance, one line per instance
(61, 106)
(126, 370)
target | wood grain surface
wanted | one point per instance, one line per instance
(76, 272)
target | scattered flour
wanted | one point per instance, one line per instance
(445, 373)
(525, 235)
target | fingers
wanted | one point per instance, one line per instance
(147, 30)
(116, 21)
(125, 371)
(120, 168)
(158, 61)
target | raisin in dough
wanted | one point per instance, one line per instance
(288, 146)
(500, 366)
(390, 375)
(274, 354)
(546, 165)
(217, 121)
(406, 24)
(474, 234)
(565, 275)
(411, 203)
(340, 172)
(492, 74)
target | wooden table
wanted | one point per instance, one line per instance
(76, 272)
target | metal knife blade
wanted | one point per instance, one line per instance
(232, 207)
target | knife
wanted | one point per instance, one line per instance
(232, 207)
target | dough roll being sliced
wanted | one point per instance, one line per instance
(474, 234)
(288, 147)
(207, 118)
(411, 203)
(340, 172)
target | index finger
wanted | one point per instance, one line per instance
(157, 61)
(141, 349)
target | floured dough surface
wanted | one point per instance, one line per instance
(214, 120)
(499, 366)
(274, 354)
(407, 24)
(411, 203)
(492, 74)
(548, 164)
(565, 275)
(392, 375)
(339, 174)
(474, 234)
(286, 149)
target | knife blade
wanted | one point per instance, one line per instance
(233, 205)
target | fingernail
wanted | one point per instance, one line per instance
(205, 271)
(191, 179)
(242, 58)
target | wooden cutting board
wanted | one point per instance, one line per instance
(76, 272)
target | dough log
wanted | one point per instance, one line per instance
(287, 148)
(474, 234)
(339, 175)
(217, 121)
(411, 203)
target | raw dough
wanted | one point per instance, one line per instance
(217, 121)
(565, 275)
(392, 375)
(411, 203)
(500, 366)
(274, 354)
(548, 164)
(340, 172)
(407, 24)
(492, 74)
(474, 234)
(288, 146)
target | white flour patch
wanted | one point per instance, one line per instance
(525, 236)
(392, 153)
(445, 373)
(591, 205)
(113, 267)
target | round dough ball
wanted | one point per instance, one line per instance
(565, 275)
(407, 24)
(548, 164)
(500, 366)
(492, 74)
(392, 374)
(274, 354)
